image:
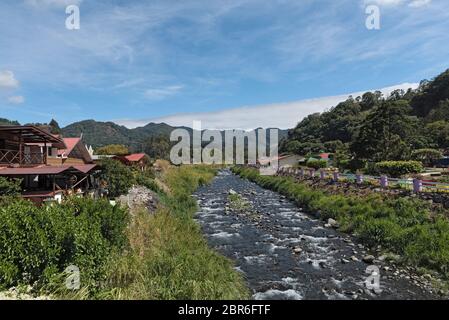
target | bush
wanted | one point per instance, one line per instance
(427, 156)
(398, 168)
(117, 177)
(316, 164)
(146, 178)
(36, 244)
(10, 187)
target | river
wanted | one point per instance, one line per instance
(284, 253)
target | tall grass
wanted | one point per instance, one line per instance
(405, 226)
(169, 257)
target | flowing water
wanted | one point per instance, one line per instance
(284, 253)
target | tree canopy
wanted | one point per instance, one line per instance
(375, 128)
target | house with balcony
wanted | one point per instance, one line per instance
(49, 166)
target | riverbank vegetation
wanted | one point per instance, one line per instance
(120, 253)
(169, 257)
(403, 226)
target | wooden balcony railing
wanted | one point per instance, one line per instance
(21, 158)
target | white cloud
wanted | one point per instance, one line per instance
(393, 3)
(8, 80)
(419, 3)
(16, 99)
(53, 3)
(162, 93)
(280, 115)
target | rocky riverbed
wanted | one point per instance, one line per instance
(284, 253)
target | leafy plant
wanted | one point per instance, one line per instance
(316, 164)
(398, 168)
(10, 187)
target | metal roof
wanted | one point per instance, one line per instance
(49, 170)
(33, 134)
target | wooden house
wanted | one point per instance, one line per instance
(48, 165)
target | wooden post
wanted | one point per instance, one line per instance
(45, 153)
(20, 148)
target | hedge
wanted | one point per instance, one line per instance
(398, 168)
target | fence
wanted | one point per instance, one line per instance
(384, 182)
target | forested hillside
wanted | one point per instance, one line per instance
(377, 128)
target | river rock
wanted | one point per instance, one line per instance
(297, 250)
(368, 259)
(232, 192)
(333, 223)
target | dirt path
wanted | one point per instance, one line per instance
(286, 254)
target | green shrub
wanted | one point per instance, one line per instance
(117, 177)
(146, 178)
(398, 168)
(10, 187)
(38, 243)
(316, 164)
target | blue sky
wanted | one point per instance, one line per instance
(234, 63)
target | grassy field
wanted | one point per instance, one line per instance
(403, 226)
(169, 257)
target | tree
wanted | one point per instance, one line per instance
(113, 149)
(430, 93)
(6, 122)
(427, 156)
(385, 134)
(54, 127)
(158, 147)
(440, 113)
(117, 177)
(438, 132)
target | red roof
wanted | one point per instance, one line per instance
(70, 144)
(84, 168)
(50, 170)
(135, 157)
(34, 170)
(324, 155)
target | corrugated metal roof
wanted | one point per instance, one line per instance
(32, 134)
(135, 157)
(34, 170)
(85, 168)
(70, 143)
(50, 170)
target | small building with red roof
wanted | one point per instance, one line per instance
(140, 160)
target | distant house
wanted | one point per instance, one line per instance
(325, 156)
(140, 160)
(286, 160)
(290, 160)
